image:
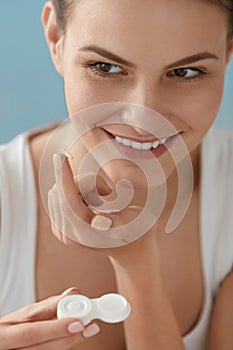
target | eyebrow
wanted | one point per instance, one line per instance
(193, 58)
(184, 61)
(107, 54)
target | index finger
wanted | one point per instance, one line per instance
(70, 198)
(45, 309)
(42, 310)
(28, 334)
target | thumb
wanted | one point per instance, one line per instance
(70, 291)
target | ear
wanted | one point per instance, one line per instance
(53, 35)
(229, 51)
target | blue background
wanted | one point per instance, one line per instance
(31, 91)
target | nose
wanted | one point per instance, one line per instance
(157, 116)
(144, 94)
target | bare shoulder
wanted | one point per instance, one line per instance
(37, 143)
(221, 324)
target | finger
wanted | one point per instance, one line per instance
(42, 310)
(70, 199)
(69, 291)
(56, 209)
(65, 226)
(68, 342)
(58, 160)
(50, 206)
(128, 214)
(61, 225)
(89, 182)
(102, 186)
(28, 334)
(51, 209)
(101, 222)
(105, 221)
(121, 220)
(45, 309)
(68, 230)
(57, 215)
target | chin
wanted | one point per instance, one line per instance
(140, 180)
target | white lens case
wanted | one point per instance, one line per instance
(110, 308)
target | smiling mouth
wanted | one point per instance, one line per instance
(140, 145)
(137, 144)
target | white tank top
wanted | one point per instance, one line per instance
(18, 223)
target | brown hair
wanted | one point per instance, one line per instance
(63, 10)
(227, 6)
(64, 7)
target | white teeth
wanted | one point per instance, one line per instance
(140, 145)
(136, 145)
(163, 140)
(155, 144)
(127, 142)
(119, 139)
(147, 145)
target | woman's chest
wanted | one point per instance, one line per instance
(92, 273)
(59, 267)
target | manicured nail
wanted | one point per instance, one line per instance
(101, 223)
(91, 330)
(67, 154)
(75, 327)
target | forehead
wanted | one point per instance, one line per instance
(167, 26)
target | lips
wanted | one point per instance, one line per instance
(142, 143)
(136, 153)
(138, 139)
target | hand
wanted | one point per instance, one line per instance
(73, 221)
(36, 327)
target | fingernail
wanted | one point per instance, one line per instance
(75, 327)
(67, 154)
(91, 330)
(102, 223)
(69, 290)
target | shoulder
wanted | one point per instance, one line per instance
(17, 166)
(25, 146)
(9, 157)
(9, 170)
(9, 149)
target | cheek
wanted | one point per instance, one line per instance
(197, 106)
(78, 95)
(82, 92)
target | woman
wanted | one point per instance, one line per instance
(169, 56)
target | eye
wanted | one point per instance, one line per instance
(186, 73)
(105, 69)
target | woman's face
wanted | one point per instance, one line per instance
(176, 52)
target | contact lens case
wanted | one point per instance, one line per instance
(110, 308)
